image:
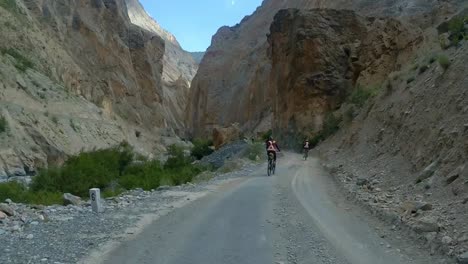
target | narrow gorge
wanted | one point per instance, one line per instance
(380, 88)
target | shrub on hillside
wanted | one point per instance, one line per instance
(87, 170)
(457, 30)
(201, 148)
(255, 150)
(360, 95)
(331, 125)
(444, 62)
(267, 135)
(113, 170)
(3, 124)
(9, 5)
(22, 63)
(18, 193)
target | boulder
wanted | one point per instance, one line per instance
(426, 224)
(7, 209)
(2, 215)
(12, 164)
(223, 136)
(427, 172)
(71, 199)
(362, 181)
(463, 258)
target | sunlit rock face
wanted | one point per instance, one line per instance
(233, 81)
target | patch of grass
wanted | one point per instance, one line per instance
(444, 62)
(361, 95)
(457, 30)
(256, 150)
(9, 5)
(18, 193)
(201, 148)
(22, 63)
(410, 80)
(331, 125)
(432, 59)
(115, 170)
(443, 43)
(415, 67)
(267, 135)
(3, 124)
(55, 120)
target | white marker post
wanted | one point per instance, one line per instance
(95, 195)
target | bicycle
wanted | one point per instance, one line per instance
(271, 164)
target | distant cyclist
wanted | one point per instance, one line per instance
(272, 147)
(306, 148)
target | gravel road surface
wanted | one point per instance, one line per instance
(296, 216)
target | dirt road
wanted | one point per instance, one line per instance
(296, 216)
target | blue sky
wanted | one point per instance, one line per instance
(194, 22)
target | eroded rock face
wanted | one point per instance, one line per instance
(233, 82)
(79, 75)
(179, 67)
(319, 55)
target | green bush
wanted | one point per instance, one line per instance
(360, 95)
(444, 62)
(201, 148)
(331, 125)
(457, 30)
(255, 150)
(9, 5)
(113, 170)
(22, 63)
(20, 194)
(3, 124)
(267, 135)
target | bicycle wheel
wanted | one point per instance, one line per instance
(269, 169)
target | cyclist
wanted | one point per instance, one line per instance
(272, 147)
(306, 148)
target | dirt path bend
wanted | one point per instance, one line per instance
(296, 216)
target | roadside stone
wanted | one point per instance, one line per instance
(465, 200)
(463, 258)
(362, 181)
(2, 232)
(7, 209)
(163, 188)
(424, 206)
(30, 236)
(2, 215)
(71, 199)
(426, 224)
(8, 201)
(427, 172)
(447, 240)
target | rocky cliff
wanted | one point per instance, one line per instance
(179, 66)
(233, 82)
(78, 75)
(319, 56)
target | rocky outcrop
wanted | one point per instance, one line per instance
(319, 56)
(179, 67)
(79, 75)
(233, 82)
(224, 135)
